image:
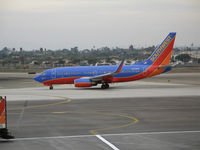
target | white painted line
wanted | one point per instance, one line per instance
(52, 137)
(107, 142)
(122, 134)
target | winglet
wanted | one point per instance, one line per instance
(120, 67)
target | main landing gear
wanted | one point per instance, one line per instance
(50, 87)
(105, 86)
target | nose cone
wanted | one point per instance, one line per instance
(37, 78)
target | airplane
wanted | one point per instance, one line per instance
(88, 76)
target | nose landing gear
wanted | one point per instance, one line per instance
(105, 86)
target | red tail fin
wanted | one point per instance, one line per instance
(162, 55)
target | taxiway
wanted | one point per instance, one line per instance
(157, 113)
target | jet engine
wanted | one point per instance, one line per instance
(83, 82)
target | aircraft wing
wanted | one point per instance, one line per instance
(107, 75)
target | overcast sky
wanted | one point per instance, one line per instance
(55, 24)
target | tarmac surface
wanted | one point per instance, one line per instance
(157, 113)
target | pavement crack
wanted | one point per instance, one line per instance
(21, 116)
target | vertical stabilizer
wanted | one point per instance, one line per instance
(162, 55)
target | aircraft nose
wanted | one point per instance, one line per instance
(37, 78)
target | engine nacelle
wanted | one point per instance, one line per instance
(83, 82)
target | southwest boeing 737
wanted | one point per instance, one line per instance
(87, 76)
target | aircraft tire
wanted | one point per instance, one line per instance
(107, 85)
(103, 86)
(51, 87)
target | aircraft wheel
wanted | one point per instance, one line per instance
(103, 86)
(107, 85)
(51, 87)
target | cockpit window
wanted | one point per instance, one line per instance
(43, 73)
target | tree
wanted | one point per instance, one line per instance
(92, 61)
(5, 49)
(183, 57)
(74, 50)
(76, 60)
(131, 48)
(41, 50)
(60, 61)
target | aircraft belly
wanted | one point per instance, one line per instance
(61, 81)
